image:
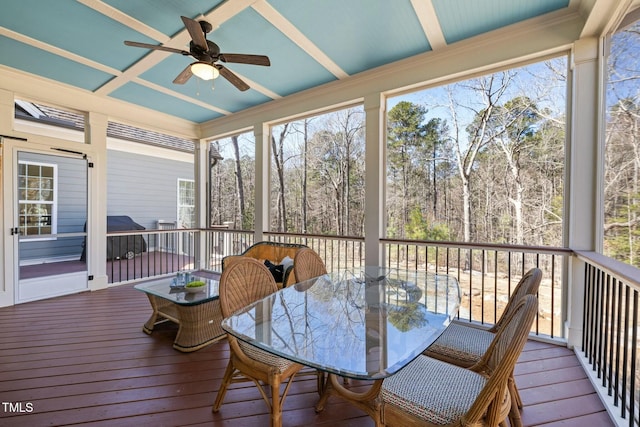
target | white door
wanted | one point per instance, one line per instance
(50, 223)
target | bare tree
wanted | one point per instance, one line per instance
(239, 183)
(277, 148)
(515, 131)
(490, 89)
(622, 148)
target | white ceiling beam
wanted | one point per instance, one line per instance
(125, 20)
(216, 17)
(153, 58)
(258, 87)
(225, 11)
(426, 14)
(181, 96)
(291, 31)
(57, 51)
(601, 14)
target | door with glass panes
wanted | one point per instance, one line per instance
(50, 224)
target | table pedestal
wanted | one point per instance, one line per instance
(368, 401)
(198, 325)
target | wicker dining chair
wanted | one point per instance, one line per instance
(464, 345)
(430, 392)
(241, 284)
(307, 264)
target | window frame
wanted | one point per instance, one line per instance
(54, 202)
(180, 205)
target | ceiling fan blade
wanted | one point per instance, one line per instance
(195, 31)
(183, 76)
(156, 47)
(233, 79)
(240, 58)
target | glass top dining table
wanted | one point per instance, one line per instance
(365, 323)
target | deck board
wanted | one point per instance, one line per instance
(83, 359)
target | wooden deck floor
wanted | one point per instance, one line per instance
(83, 359)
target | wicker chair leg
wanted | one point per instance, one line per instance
(514, 412)
(276, 404)
(226, 380)
(320, 381)
(515, 394)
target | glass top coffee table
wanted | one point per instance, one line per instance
(198, 315)
(363, 324)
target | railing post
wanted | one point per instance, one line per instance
(574, 302)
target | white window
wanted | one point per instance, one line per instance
(37, 185)
(186, 203)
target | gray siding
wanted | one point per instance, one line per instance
(144, 187)
(72, 208)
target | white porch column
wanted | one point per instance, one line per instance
(96, 135)
(584, 175)
(201, 175)
(262, 134)
(375, 164)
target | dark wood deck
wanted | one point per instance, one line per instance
(83, 359)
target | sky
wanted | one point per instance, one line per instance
(535, 80)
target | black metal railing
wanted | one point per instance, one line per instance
(150, 253)
(487, 275)
(610, 330)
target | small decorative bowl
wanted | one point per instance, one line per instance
(195, 287)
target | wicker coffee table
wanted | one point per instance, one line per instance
(197, 314)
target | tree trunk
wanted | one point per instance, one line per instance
(466, 206)
(278, 157)
(241, 221)
(304, 176)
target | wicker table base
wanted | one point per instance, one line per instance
(198, 325)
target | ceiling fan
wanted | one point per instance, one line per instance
(208, 57)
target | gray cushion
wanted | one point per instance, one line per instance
(463, 343)
(432, 390)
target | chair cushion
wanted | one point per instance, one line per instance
(432, 390)
(265, 357)
(463, 343)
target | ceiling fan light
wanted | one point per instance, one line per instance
(204, 71)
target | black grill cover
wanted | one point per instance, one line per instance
(121, 246)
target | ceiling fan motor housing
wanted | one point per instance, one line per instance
(210, 55)
(206, 27)
(207, 52)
